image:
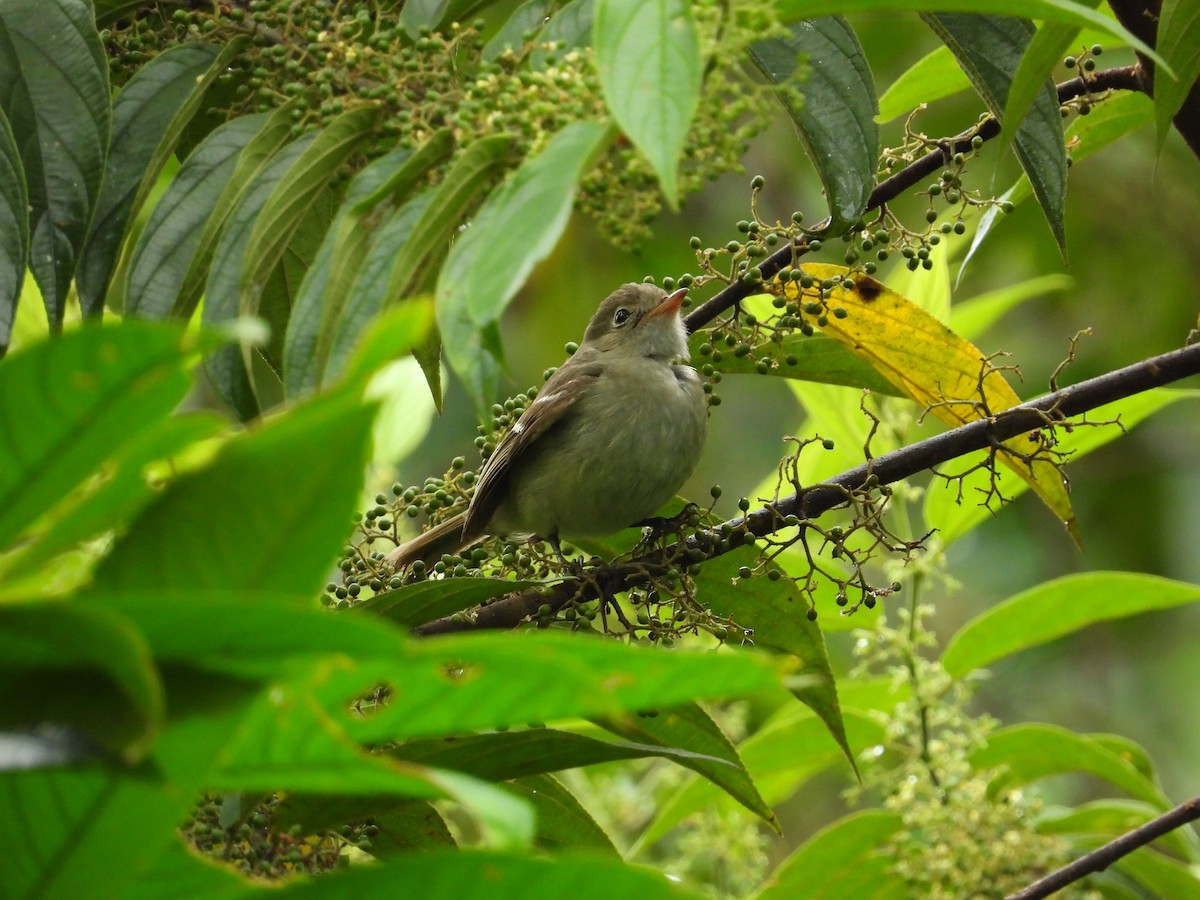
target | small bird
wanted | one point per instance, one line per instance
(607, 441)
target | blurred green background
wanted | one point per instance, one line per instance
(1134, 252)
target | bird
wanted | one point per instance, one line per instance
(607, 441)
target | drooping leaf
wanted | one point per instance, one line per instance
(779, 622)
(1057, 608)
(516, 228)
(648, 56)
(954, 514)
(1179, 44)
(932, 77)
(54, 91)
(836, 120)
(165, 250)
(990, 48)
(148, 115)
(1114, 118)
(935, 367)
(292, 197)
(563, 823)
(329, 285)
(418, 14)
(1161, 875)
(781, 758)
(14, 230)
(691, 728)
(74, 403)
(227, 368)
(1045, 50)
(845, 859)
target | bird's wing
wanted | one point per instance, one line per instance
(557, 396)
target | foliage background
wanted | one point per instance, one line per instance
(1134, 262)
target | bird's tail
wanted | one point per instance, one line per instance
(430, 546)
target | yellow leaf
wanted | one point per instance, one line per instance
(931, 364)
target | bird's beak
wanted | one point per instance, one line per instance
(669, 306)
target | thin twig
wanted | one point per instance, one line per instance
(1100, 859)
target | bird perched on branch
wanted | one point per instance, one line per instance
(609, 439)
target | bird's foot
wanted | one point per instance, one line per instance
(656, 527)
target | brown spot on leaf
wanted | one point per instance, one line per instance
(868, 288)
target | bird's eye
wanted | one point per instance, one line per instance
(621, 316)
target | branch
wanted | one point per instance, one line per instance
(1123, 77)
(1100, 859)
(1141, 18)
(812, 502)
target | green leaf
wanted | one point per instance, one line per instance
(452, 875)
(648, 56)
(516, 228)
(416, 826)
(932, 77)
(227, 367)
(173, 237)
(418, 14)
(499, 756)
(414, 604)
(1028, 752)
(529, 16)
(285, 502)
(562, 821)
(1112, 119)
(114, 495)
(274, 135)
(691, 728)
(990, 49)
(369, 298)
(1044, 52)
(75, 402)
(82, 666)
(818, 358)
(54, 91)
(1113, 818)
(1161, 875)
(14, 230)
(519, 225)
(147, 117)
(180, 872)
(954, 513)
(1050, 10)
(846, 859)
(318, 312)
(1057, 608)
(780, 623)
(836, 121)
(449, 685)
(570, 28)
(1179, 43)
(974, 316)
(781, 758)
(62, 825)
(292, 197)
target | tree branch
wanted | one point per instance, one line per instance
(812, 502)
(1120, 78)
(1100, 859)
